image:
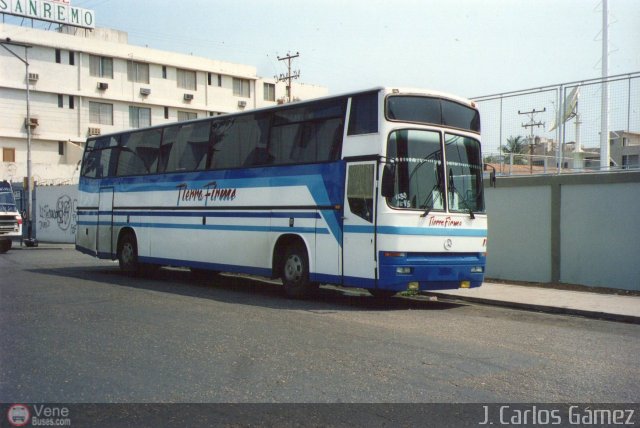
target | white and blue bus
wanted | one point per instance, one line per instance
(380, 189)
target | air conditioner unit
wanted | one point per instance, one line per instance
(242, 104)
(33, 77)
(145, 91)
(32, 122)
(94, 131)
(188, 97)
(103, 86)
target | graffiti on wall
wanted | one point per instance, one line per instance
(55, 213)
(63, 215)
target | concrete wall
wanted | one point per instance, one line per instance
(55, 217)
(576, 229)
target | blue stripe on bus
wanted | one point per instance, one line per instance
(207, 214)
(206, 265)
(225, 214)
(424, 231)
(235, 228)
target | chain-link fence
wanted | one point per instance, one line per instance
(556, 128)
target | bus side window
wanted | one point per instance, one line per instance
(360, 190)
(283, 142)
(363, 118)
(139, 153)
(100, 158)
(166, 147)
(194, 140)
(184, 147)
(329, 134)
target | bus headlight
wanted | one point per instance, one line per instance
(404, 270)
(477, 269)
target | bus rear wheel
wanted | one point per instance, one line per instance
(128, 254)
(295, 273)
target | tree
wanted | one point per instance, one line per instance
(516, 146)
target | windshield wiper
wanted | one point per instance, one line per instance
(463, 200)
(428, 203)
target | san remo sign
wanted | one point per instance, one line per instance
(59, 11)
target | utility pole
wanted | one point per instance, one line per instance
(604, 108)
(287, 77)
(532, 124)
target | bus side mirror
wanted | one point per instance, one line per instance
(492, 174)
(388, 175)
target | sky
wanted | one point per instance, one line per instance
(466, 47)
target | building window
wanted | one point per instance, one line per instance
(164, 71)
(8, 154)
(72, 58)
(211, 80)
(241, 88)
(186, 115)
(269, 92)
(139, 117)
(71, 102)
(100, 66)
(166, 112)
(60, 100)
(61, 148)
(58, 56)
(101, 113)
(137, 72)
(630, 161)
(187, 79)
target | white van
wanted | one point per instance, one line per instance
(10, 218)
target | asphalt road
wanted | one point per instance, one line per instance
(74, 329)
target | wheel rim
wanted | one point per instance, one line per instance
(293, 268)
(127, 253)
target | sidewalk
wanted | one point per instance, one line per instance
(584, 303)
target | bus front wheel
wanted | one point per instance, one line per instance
(295, 273)
(128, 254)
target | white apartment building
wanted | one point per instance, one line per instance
(94, 82)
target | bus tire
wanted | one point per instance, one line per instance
(295, 272)
(5, 245)
(128, 253)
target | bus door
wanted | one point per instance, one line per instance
(358, 239)
(104, 230)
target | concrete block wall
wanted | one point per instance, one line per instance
(575, 229)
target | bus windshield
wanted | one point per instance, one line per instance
(464, 174)
(419, 181)
(418, 172)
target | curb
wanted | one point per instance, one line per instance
(631, 319)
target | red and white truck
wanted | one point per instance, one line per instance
(10, 218)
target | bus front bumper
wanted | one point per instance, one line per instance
(430, 271)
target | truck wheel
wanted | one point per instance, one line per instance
(5, 245)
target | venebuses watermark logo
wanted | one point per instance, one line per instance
(20, 415)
